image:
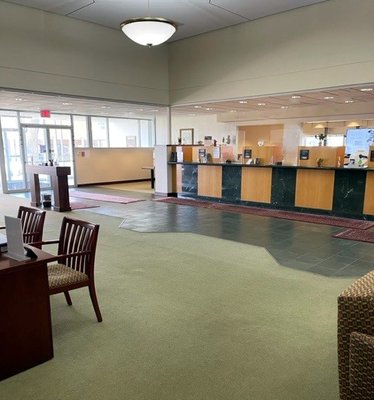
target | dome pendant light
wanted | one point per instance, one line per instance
(148, 31)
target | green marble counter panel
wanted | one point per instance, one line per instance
(349, 192)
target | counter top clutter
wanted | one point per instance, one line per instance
(236, 164)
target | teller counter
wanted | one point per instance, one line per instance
(345, 192)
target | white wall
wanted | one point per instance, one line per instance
(203, 125)
(162, 126)
(50, 53)
(323, 45)
(112, 165)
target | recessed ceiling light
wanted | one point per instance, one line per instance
(261, 104)
(296, 97)
(328, 97)
(209, 109)
(366, 89)
(243, 102)
(232, 110)
(349, 101)
(19, 99)
(196, 106)
(284, 107)
(153, 110)
(106, 107)
(67, 104)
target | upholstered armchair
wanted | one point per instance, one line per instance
(356, 340)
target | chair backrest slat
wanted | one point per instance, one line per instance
(77, 236)
(32, 221)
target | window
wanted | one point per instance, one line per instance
(80, 131)
(333, 140)
(146, 133)
(99, 129)
(123, 132)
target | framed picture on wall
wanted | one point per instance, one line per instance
(186, 135)
(130, 141)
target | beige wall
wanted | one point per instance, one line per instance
(112, 165)
(323, 45)
(250, 135)
(46, 52)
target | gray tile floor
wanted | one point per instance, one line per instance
(293, 244)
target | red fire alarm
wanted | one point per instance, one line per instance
(45, 113)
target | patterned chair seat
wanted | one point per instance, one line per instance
(60, 275)
(356, 340)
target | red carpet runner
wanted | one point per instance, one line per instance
(356, 234)
(103, 197)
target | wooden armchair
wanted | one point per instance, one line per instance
(32, 221)
(75, 260)
(356, 340)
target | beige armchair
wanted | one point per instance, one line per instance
(356, 340)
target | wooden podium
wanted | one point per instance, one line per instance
(59, 178)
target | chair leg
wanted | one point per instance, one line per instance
(68, 298)
(95, 304)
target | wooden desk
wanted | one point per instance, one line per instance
(25, 315)
(59, 177)
(152, 169)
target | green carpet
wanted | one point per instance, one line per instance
(187, 317)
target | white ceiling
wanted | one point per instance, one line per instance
(192, 16)
(292, 104)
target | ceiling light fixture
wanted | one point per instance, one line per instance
(296, 97)
(328, 97)
(366, 89)
(243, 102)
(349, 101)
(149, 31)
(261, 104)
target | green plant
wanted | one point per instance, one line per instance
(321, 136)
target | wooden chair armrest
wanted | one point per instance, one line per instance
(71, 255)
(45, 242)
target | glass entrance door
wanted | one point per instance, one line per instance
(14, 178)
(61, 149)
(43, 144)
(37, 150)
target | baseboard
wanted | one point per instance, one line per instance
(166, 194)
(112, 183)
